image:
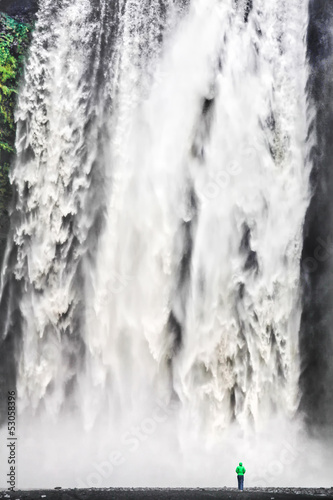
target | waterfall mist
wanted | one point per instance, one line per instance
(151, 287)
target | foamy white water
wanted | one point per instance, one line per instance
(162, 184)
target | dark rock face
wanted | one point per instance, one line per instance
(316, 337)
(23, 10)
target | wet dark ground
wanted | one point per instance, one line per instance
(170, 494)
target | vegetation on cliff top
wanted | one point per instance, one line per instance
(14, 41)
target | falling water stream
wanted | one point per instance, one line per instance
(153, 266)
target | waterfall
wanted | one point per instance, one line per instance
(153, 266)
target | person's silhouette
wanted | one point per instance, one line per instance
(240, 471)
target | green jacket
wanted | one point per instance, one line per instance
(240, 471)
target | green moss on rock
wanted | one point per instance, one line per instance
(15, 38)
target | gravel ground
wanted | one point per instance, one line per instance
(168, 494)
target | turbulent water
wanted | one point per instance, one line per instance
(152, 273)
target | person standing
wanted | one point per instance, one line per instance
(240, 471)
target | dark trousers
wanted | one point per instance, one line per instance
(240, 482)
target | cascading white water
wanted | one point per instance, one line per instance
(162, 181)
(239, 323)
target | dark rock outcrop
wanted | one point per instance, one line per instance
(317, 260)
(22, 10)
